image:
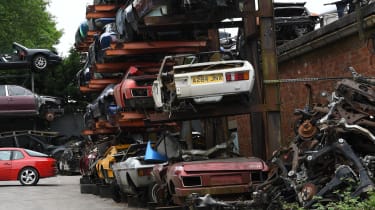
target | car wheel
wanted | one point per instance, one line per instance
(60, 167)
(29, 176)
(39, 63)
(155, 193)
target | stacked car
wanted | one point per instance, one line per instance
(158, 58)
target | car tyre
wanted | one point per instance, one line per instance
(29, 176)
(39, 63)
(155, 193)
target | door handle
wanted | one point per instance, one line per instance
(7, 164)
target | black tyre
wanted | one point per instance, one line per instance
(155, 194)
(86, 188)
(29, 176)
(117, 195)
(39, 63)
(105, 191)
(85, 180)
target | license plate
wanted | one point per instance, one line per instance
(204, 79)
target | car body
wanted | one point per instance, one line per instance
(132, 16)
(68, 163)
(25, 165)
(36, 59)
(32, 141)
(219, 177)
(135, 90)
(19, 101)
(102, 108)
(292, 20)
(133, 173)
(103, 165)
(200, 82)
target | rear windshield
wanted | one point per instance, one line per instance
(35, 154)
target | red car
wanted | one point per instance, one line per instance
(25, 165)
(228, 178)
(135, 90)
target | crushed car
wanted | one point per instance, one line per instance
(188, 80)
(215, 171)
(133, 172)
(333, 153)
(292, 20)
(102, 109)
(18, 101)
(135, 90)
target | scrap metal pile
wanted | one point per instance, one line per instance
(333, 152)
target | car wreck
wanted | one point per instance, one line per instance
(332, 153)
(292, 20)
(185, 80)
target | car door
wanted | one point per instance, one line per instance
(3, 99)
(5, 164)
(21, 99)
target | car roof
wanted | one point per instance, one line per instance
(11, 148)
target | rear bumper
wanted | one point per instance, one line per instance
(182, 193)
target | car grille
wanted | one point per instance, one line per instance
(191, 181)
(139, 92)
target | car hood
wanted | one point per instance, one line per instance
(53, 99)
(230, 164)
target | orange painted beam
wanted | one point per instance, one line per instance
(92, 33)
(158, 45)
(127, 116)
(132, 123)
(104, 81)
(85, 89)
(105, 7)
(95, 15)
(99, 87)
(123, 67)
(113, 52)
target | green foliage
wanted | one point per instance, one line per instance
(28, 23)
(347, 202)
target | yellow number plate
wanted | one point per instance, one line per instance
(204, 79)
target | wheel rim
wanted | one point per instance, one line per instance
(40, 62)
(156, 193)
(28, 176)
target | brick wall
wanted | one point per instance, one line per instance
(328, 61)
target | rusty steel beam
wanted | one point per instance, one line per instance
(113, 52)
(85, 89)
(95, 15)
(211, 111)
(104, 81)
(160, 45)
(123, 67)
(105, 8)
(270, 72)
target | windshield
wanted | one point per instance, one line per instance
(35, 154)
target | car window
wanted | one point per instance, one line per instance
(5, 155)
(35, 153)
(2, 90)
(7, 142)
(17, 155)
(18, 91)
(29, 143)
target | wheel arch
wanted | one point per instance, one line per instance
(28, 166)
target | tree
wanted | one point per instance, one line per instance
(27, 22)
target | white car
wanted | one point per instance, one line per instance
(134, 173)
(200, 82)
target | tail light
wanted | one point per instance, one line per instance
(144, 171)
(237, 76)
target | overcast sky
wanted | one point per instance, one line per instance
(70, 13)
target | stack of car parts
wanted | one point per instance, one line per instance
(332, 153)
